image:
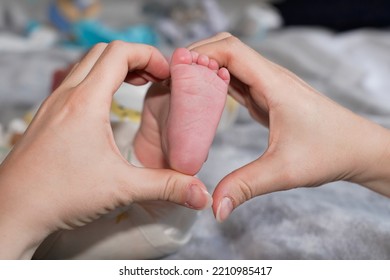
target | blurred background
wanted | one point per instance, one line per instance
(195, 16)
(341, 48)
(175, 22)
(40, 37)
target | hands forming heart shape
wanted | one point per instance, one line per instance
(73, 171)
(308, 132)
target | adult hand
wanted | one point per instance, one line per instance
(67, 170)
(312, 140)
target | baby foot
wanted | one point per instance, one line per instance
(198, 95)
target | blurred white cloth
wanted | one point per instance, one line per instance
(352, 68)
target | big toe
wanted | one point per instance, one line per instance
(181, 56)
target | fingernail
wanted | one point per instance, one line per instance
(224, 209)
(198, 198)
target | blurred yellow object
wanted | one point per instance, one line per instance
(124, 113)
(75, 10)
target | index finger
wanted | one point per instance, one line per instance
(118, 60)
(217, 37)
(243, 62)
(263, 80)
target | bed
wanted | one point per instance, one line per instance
(336, 221)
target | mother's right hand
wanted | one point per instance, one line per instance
(312, 140)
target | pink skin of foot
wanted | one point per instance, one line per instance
(198, 96)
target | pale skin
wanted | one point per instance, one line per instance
(66, 170)
(187, 114)
(179, 122)
(312, 140)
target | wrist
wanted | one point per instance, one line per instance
(374, 173)
(21, 230)
(16, 242)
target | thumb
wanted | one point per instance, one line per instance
(265, 175)
(145, 184)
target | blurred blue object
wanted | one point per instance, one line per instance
(31, 26)
(58, 19)
(87, 33)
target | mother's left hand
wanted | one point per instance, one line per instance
(67, 170)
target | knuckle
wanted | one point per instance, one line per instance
(75, 101)
(241, 189)
(99, 46)
(223, 34)
(232, 41)
(232, 46)
(246, 192)
(117, 44)
(151, 50)
(169, 191)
